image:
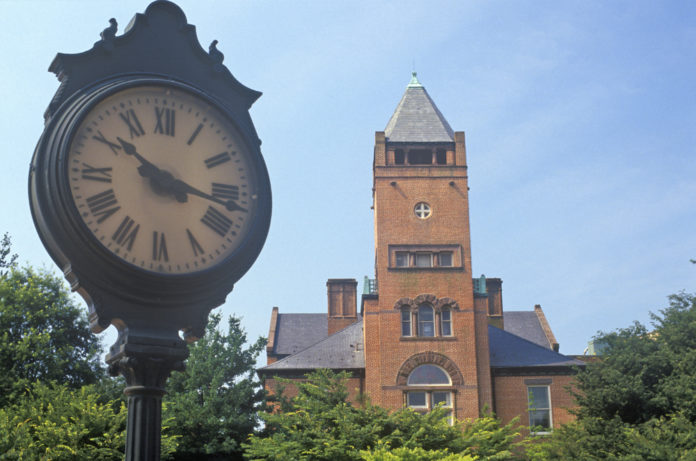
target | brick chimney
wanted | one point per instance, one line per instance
(342, 296)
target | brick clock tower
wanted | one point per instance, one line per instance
(426, 340)
(427, 332)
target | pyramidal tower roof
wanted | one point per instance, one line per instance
(417, 118)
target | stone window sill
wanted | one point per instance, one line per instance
(427, 338)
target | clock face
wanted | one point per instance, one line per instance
(162, 179)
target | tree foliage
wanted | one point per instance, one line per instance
(383, 453)
(55, 422)
(637, 401)
(214, 403)
(7, 258)
(319, 424)
(44, 335)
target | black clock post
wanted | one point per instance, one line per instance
(149, 190)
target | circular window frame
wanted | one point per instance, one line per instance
(425, 212)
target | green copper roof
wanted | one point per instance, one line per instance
(414, 83)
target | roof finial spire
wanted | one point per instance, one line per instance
(414, 83)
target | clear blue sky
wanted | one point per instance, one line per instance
(580, 120)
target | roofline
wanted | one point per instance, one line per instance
(300, 372)
(270, 345)
(416, 143)
(545, 370)
(359, 319)
(546, 328)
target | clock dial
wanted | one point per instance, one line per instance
(162, 179)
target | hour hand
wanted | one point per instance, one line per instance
(146, 169)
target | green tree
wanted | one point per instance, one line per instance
(44, 335)
(7, 258)
(645, 374)
(55, 422)
(213, 405)
(319, 424)
(636, 402)
(412, 454)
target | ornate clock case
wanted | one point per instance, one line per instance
(158, 49)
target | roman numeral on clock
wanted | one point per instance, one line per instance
(112, 145)
(126, 233)
(165, 121)
(225, 191)
(159, 247)
(195, 133)
(217, 221)
(216, 160)
(135, 129)
(96, 174)
(103, 205)
(197, 248)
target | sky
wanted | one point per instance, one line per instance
(580, 120)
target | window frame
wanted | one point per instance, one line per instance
(447, 257)
(403, 254)
(440, 255)
(429, 391)
(532, 408)
(438, 320)
(407, 318)
(421, 254)
(422, 324)
(444, 322)
(423, 210)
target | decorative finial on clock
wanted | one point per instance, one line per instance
(216, 55)
(107, 35)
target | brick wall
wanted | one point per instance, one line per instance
(511, 398)
(397, 191)
(354, 385)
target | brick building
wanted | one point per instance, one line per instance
(427, 331)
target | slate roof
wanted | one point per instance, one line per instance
(417, 119)
(342, 350)
(510, 351)
(525, 324)
(295, 332)
(345, 350)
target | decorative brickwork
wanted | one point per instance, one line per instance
(438, 304)
(429, 357)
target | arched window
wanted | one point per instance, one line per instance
(406, 322)
(445, 322)
(429, 382)
(426, 321)
(427, 317)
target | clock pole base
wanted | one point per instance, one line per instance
(146, 360)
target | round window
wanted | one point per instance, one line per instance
(422, 210)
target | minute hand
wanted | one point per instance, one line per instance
(179, 186)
